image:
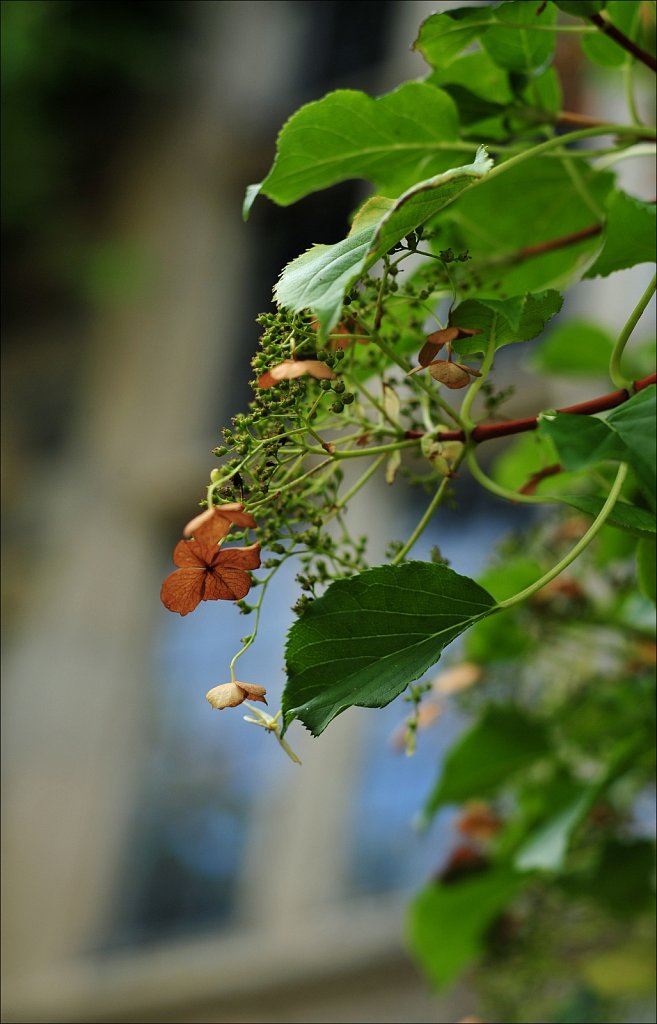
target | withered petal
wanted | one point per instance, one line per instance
(226, 695)
(182, 590)
(231, 513)
(223, 584)
(253, 691)
(451, 375)
(189, 554)
(291, 368)
(445, 336)
(239, 558)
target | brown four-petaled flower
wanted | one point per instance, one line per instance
(205, 571)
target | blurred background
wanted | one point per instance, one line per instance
(161, 862)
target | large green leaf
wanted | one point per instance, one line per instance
(547, 846)
(505, 33)
(390, 141)
(645, 567)
(546, 849)
(581, 8)
(369, 636)
(443, 37)
(600, 48)
(622, 880)
(448, 923)
(516, 47)
(502, 743)
(581, 441)
(634, 423)
(504, 321)
(631, 518)
(476, 72)
(629, 236)
(574, 347)
(320, 277)
(531, 203)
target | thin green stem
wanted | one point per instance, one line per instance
(630, 98)
(373, 450)
(403, 365)
(615, 371)
(367, 475)
(574, 553)
(252, 635)
(498, 489)
(380, 406)
(431, 508)
(475, 387)
(575, 174)
(295, 483)
(560, 140)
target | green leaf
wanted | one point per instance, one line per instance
(368, 637)
(629, 236)
(320, 277)
(529, 318)
(634, 423)
(581, 441)
(502, 743)
(477, 73)
(547, 847)
(501, 638)
(637, 521)
(574, 347)
(526, 455)
(390, 141)
(540, 204)
(645, 567)
(604, 51)
(544, 93)
(448, 923)
(521, 49)
(581, 8)
(627, 435)
(443, 37)
(621, 881)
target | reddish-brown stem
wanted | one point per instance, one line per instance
(571, 117)
(558, 243)
(619, 37)
(581, 120)
(489, 431)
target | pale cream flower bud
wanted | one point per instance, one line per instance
(229, 695)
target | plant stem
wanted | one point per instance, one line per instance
(431, 508)
(490, 431)
(473, 390)
(619, 37)
(560, 140)
(498, 489)
(583, 543)
(251, 637)
(369, 472)
(615, 361)
(433, 392)
(361, 452)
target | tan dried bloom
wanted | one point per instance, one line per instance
(230, 695)
(478, 821)
(452, 375)
(230, 514)
(462, 676)
(291, 368)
